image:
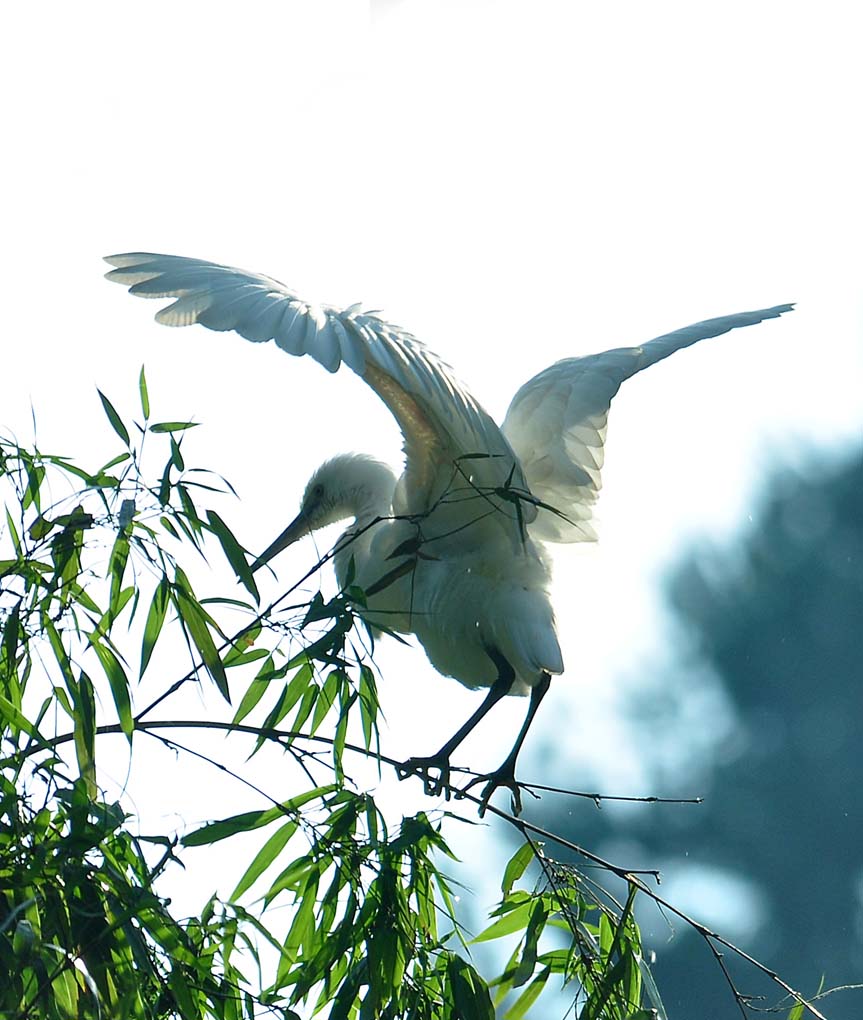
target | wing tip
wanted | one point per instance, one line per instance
(131, 268)
(123, 260)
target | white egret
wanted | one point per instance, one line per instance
(452, 551)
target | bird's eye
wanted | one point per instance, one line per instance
(318, 491)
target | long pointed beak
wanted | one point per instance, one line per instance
(297, 529)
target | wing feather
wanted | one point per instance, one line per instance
(557, 423)
(450, 441)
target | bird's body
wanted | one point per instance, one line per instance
(453, 550)
(459, 594)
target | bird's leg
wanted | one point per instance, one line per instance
(505, 775)
(440, 761)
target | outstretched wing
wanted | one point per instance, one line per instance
(454, 451)
(557, 422)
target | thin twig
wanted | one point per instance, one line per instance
(632, 876)
(598, 797)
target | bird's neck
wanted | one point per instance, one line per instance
(366, 507)
(364, 492)
(370, 507)
(355, 542)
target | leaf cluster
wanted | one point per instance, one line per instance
(340, 911)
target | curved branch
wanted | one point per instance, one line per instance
(629, 875)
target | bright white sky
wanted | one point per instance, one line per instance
(514, 183)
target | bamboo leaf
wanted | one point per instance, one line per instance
(528, 996)
(113, 462)
(265, 857)
(114, 418)
(513, 920)
(177, 455)
(119, 684)
(40, 528)
(535, 926)
(233, 553)
(327, 697)
(155, 619)
(165, 489)
(256, 689)
(212, 832)
(117, 568)
(85, 733)
(16, 720)
(197, 626)
(13, 533)
(173, 426)
(35, 476)
(515, 868)
(369, 706)
(470, 992)
(12, 632)
(145, 397)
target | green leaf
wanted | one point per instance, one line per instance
(303, 926)
(114, 418)
(233, 553)
(236, 655)
(515, 867)
(470, 992)
(142, 390)
(173, 426)
(212, 832)
(650, 986)
(606, 936)
(165, 493)
(16, 719)
(255, 691)
(528, 996)
(155, 619)
(13, 533)
(40, 528)
(197, 626)
(177, 456)
(535, 926)
(117, 568)
(327, 698)
(85, 733)
(35, 477)
(514, 919)
(119, 684)
(65, 989)
(12, 633)
(348, 699)
(59, 650)
(265, 857)
(300, 685)
(369, 706)
(189, 507)
(166, 521)
(113, 462)
(632, 975)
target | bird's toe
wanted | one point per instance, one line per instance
(503, 777)
(434, 772)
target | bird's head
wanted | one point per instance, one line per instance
(349, 485)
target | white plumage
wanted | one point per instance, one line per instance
(452, 551)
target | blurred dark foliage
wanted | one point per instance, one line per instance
(778, 618)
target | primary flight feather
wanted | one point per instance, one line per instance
(452, 551)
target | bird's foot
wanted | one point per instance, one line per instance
(434, 772)
(502, 777)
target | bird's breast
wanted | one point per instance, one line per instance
(460, 603)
